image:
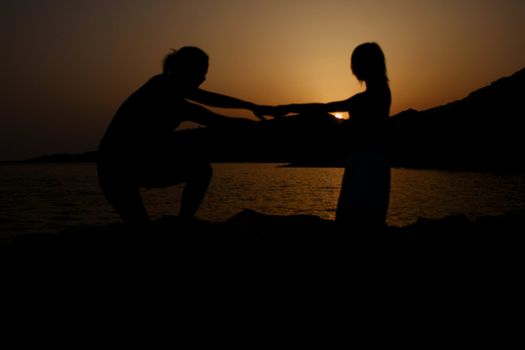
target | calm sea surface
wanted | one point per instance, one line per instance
(49, 197)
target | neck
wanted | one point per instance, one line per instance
(374, 84)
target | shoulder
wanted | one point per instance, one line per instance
(370, 100)
(377, 95)
(156, 81)
(160, 85)
(154, 84)
(356, 99)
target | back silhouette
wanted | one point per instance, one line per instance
(140, 150)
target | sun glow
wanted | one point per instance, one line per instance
(338, 115)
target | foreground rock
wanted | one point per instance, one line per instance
(254, 237)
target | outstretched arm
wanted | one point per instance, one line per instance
(204, 116)
(337, 106)
(217, 100)
(214, 99)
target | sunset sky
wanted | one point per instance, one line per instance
(66, 65)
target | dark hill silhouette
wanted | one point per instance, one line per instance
(483, 131)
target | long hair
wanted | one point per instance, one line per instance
(183, 58)
(368, 63)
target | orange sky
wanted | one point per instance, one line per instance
(67, 65)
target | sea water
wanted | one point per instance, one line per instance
(49, 197)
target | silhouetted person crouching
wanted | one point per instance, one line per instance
(139, 148)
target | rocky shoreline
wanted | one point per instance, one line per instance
(250, 236)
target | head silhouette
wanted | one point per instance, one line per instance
(187, 65)
(368, 63)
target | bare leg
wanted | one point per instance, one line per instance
(195, 190)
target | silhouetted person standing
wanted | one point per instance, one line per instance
(139, 148)
(365, 190)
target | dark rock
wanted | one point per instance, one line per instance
(252, 236)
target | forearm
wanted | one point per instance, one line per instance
(304, 108)
(203, 116)
(217, 100)
(336, 106)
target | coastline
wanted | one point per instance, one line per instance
(250, 235)
(90, 158)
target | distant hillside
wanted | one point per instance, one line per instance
(65, 158)
(483, 131)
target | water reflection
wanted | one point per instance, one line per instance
(48, 197)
